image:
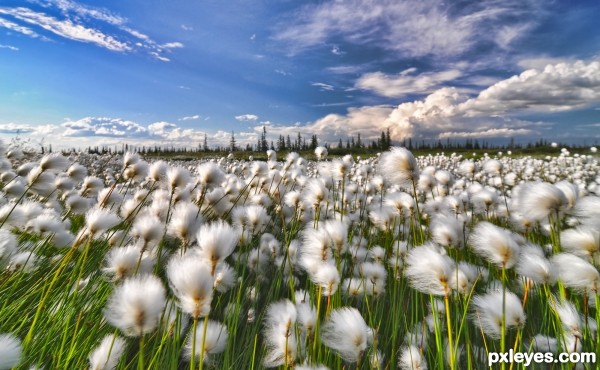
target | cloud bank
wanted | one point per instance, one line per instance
(445, 113)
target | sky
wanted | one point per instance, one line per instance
(75, 73)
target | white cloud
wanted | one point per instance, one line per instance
(190, 118)
(159, 57)
(9, 47)
(282, 72)
(66, 28)
(17, 28)
(172, 45)
(67, 6)
(493, 132)
(557, 87)
(246, 117)
(406, 82)
(449, 112)
(335, 50)
(323, 86)
(347, 69)
(13, 128)
(412, 28)
(75, 25)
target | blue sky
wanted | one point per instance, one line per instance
(75, 73)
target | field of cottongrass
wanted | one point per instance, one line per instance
(392, 262)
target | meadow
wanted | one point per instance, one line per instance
(394, 261)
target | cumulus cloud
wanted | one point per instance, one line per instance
(103, 126)
(246, 117)
(450, 113)
(13, 128)
(406, 82)
(556, 87)
(108, 131)
(412, 28)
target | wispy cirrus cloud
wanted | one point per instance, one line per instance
(411, 28)
(83, 23)
(66, 28)
(18, 28)
(323, 86)
(190, 118)
(9, 47)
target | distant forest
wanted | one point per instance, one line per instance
(349, 145)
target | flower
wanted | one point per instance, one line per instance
(99, 220)
(539, 200)
(495, 244)
(575, 272)
(399, 167)
(534, 265)
(569, 317)
(279, 336)
(54, 162)
(217, 241)
(582, 242)
(10, 351)
(135, 307)
(410, 358)
(215, 341)
(488, 312)
(191, 281)
(345, 331)
(428, 270)
(108, 353)
(185, 222)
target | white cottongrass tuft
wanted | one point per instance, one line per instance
(279, 334)
(10, 351)
(185, 222)
(217, 241)
(428, 270)
(99, 220)
(136, 306)
(320, 152)
(54, 162)
(345, 331)
(495, 244)
(539, 200)
(107, 354)
(148, 229)
(215, 341)
(576, 273)
(569, 317)
(534, 265)
(122, 262)
(191, 281)
(399, 167)
(488, 312)
(582, 242)
(411, 358)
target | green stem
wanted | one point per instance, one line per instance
(193, 359)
